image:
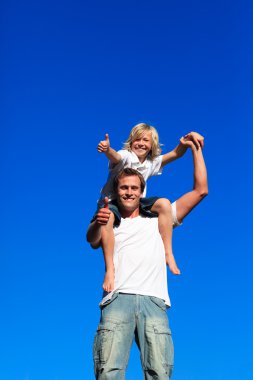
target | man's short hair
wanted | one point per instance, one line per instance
(128, 172)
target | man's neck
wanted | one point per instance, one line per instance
(130, 214)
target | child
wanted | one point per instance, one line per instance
(141, 152)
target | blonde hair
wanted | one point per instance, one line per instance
(137, 131)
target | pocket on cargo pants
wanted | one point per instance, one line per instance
(103, 343)
(159, 350)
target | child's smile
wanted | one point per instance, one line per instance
(142, 146)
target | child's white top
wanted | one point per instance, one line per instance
(130, 160)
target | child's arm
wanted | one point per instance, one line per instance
(182, 147)
(111, 154)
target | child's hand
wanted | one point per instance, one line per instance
(104, 145)
(193, 140)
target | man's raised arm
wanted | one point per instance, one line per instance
(188, 201)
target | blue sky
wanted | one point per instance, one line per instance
(71, 72)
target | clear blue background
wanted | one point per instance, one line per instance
(72, 71)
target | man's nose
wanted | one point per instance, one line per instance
(129, 191)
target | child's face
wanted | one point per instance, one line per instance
(142, 146)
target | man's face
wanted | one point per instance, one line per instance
(129, 193)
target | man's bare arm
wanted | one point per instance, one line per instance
(93, 234)
(188, 201)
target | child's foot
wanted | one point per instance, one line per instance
(171, 262)
(108, 284)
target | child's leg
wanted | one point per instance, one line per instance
(163, 208)
(107, 242)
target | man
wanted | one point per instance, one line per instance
(137, 306)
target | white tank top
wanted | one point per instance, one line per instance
(139, 259)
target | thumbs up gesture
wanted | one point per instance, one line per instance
(106, 202)
(104, 145)
(103, 214)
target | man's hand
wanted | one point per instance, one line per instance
(104, 145)
(103, 214)
(193, 139)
